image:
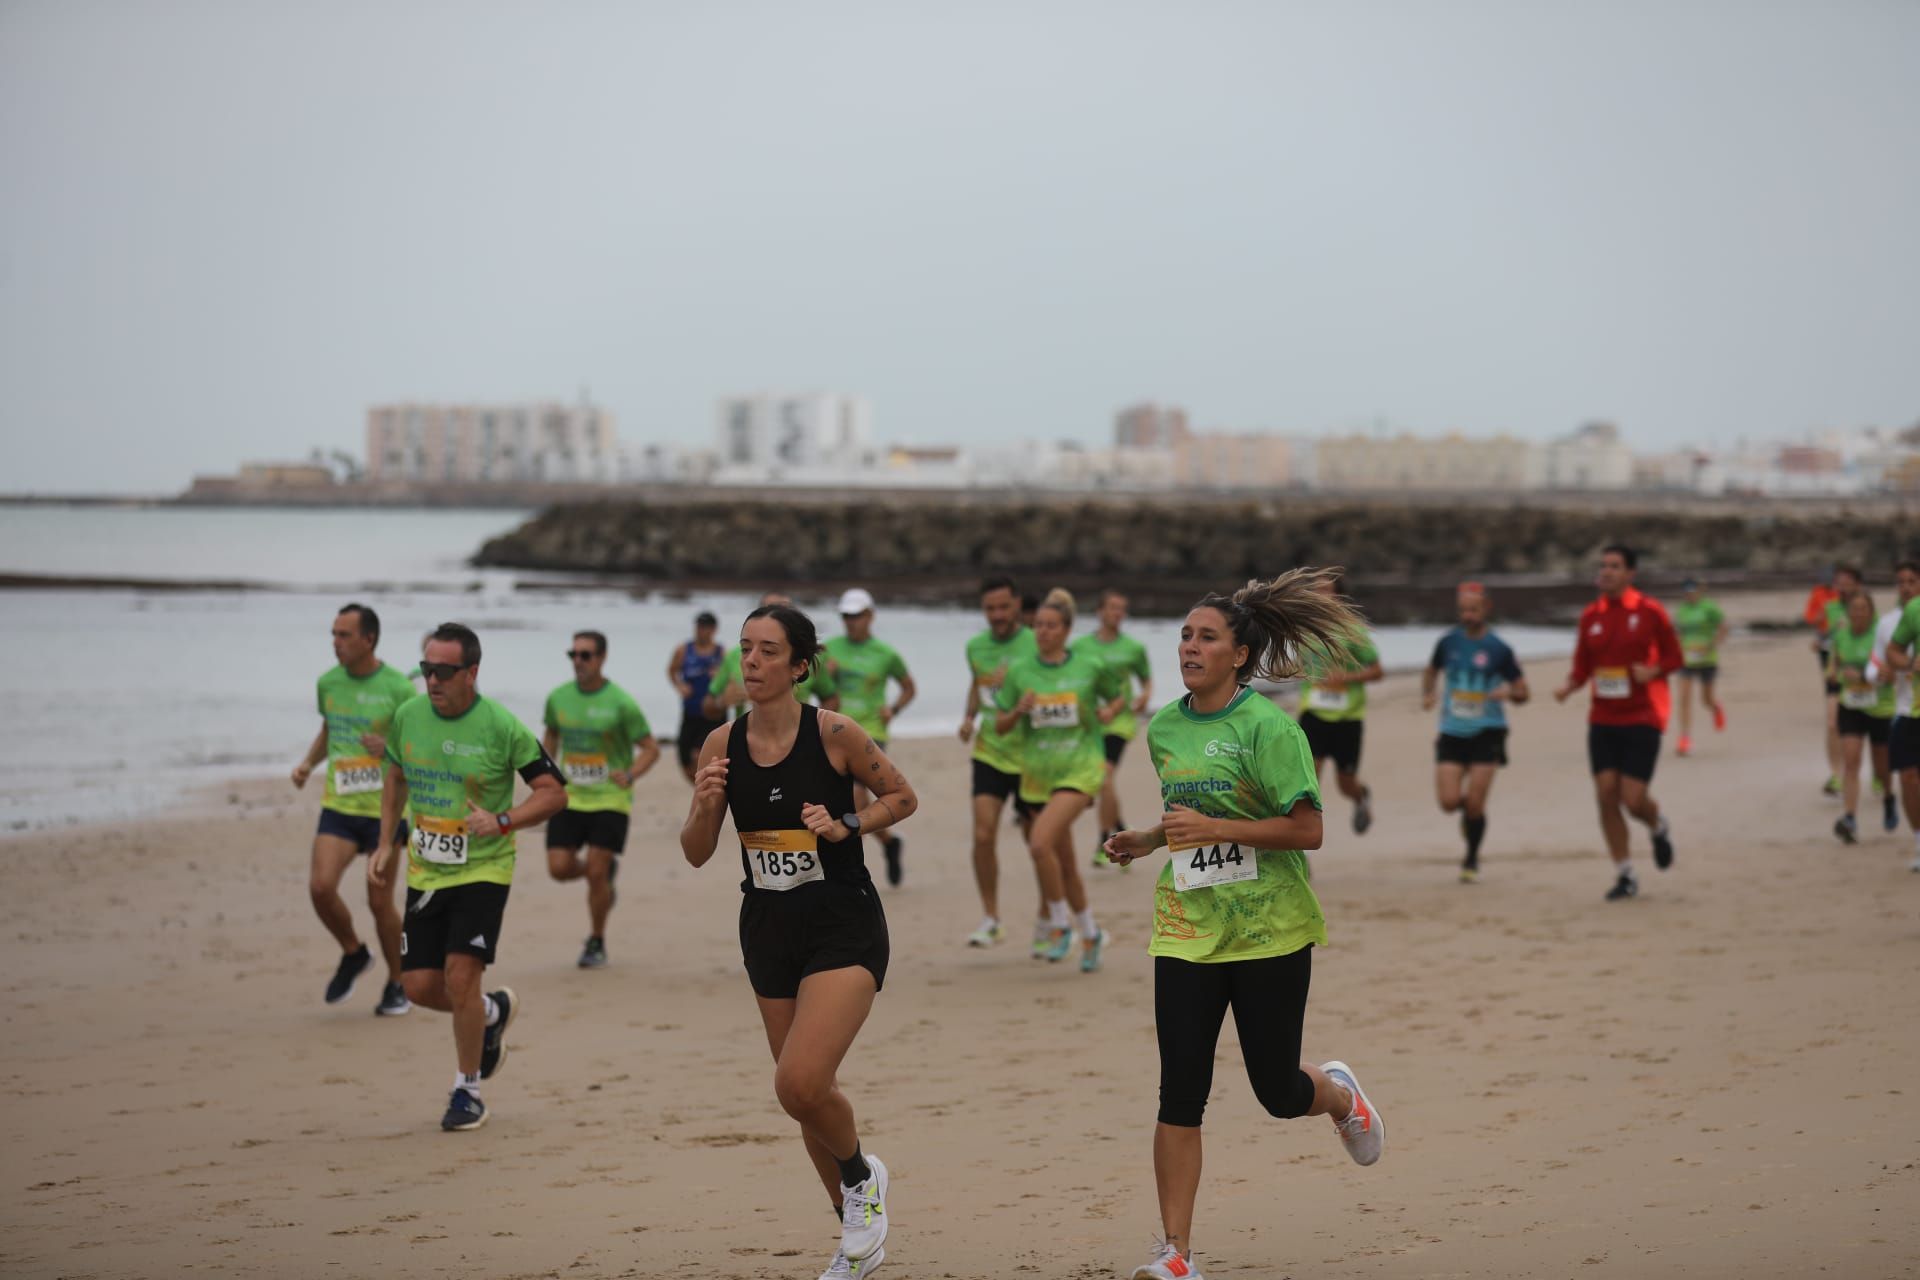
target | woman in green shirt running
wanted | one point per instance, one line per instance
(1055, 704)
(1235, 921)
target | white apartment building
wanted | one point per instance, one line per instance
(793, 437)
(1594, 457)
(538, 442)
(1223, 460)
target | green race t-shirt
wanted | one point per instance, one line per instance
(1248, 761)
(353, 705)
(862, 671)
(1058, 745)
(598, 732)
(818, 685)
(1851, 652)
(1907, 631)
(1698, 626)
(1348, 702)
(448, 763)
(988, 660)
(1129, 657)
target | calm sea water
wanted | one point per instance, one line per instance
(121, 702)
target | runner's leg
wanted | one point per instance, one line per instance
(599, 888)
(810, 1036)
(386, 917)
(986, 858)
(332, 855)
(1613, 824)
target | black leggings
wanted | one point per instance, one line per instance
(1269, 999)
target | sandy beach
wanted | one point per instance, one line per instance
(1716, 1079)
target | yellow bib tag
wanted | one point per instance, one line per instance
(1055, 711)
(1612, 682)
(780, 860)
(440, 840)
(585, 770)
(1467, 704)
(355, 775)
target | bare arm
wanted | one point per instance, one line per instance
(551, 741)
(701, 831)
(1367, 674)
(646, 754)
(1003, 721)
(680, 686)
(716, 705)
(316, 752)
(1145, 699)
(393, 807)
(971, 716)
(851, 751)
(1429, 686)
(1517, 691)
(907, 690)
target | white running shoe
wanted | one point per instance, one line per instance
(844, 1268)
(988, 934)
(1362, 1131)
(863, 1213)
(1167, 1264)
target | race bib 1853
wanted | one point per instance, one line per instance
(780, 860)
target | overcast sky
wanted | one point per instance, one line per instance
(226, 229)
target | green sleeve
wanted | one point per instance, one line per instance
(392, 753)
(1112, 683)
(1287, 767)
(1364, 652)
(522, 747)
(1009, 695)
(320, 698)
(896, 665)
(1715, 614)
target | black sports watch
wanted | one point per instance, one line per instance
(505, 819)
(851, 821)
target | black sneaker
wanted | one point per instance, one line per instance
(1663, 847)
(890, 845)
(1625, 887)
(1847, 829)
(594, 954)
(1889, 815)
(351, 967)
(393, 1002)
(493, 1050)
(464, 1111)
(1363, 812)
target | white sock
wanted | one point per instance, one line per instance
(1625, 869)
(471, 1083)
(1088, 929)
(1057, 915)
(493, 1010)
(990, 922)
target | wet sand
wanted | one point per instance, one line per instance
(1716, 1079)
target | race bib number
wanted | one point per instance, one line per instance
(1208, 866)
(1321, 698)
(442, 841)
(1859, 697)
(1467, 704)
(780, 860)
(355, 775)
(585, 771)
(1612, 682)
(1695, 654)
(1055, 711)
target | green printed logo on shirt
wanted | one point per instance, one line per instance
(451, 765)
(352, 706)
(1057, 744)
(861, 671)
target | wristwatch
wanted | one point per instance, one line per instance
(505, 820)
(851, 821)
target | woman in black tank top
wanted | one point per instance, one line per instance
(812, 933)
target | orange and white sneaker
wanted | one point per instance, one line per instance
(1167, 1264)
(1686, 746)
(1362, 1131)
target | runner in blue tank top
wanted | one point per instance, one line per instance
(690, 670)
(1481, 677)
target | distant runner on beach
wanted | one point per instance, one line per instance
(862, 668)
(1702, 627)
(1473, 677)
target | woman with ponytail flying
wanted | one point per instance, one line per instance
(1235, 922)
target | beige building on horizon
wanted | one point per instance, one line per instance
(538, 442)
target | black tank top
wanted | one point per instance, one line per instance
(765, 802)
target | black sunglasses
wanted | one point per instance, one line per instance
(442, 671)
(581, 655)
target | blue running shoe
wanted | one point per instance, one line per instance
(464, 1111)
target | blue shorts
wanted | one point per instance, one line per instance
(364, 832)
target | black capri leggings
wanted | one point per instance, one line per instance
(1269, 999)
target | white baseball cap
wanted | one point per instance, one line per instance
(855, 600)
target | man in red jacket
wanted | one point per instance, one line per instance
(1627, 647)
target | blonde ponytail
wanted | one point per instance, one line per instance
(1060, 600)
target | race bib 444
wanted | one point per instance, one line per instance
(1208, 866)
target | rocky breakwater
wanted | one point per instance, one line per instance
(1402, 556)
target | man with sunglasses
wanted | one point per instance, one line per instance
(604, 744)
(450, 758)
(357, 699)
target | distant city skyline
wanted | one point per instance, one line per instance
(996, 222)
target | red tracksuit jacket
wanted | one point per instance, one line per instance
(1614, 636)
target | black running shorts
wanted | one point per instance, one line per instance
(828, 924)
(1489, 746)
(463, 920)
(1903, 744)
(1858, 724)
(1627, 749)
(989, 781)
(1116, 747)
(598, 829)
(1339, 739)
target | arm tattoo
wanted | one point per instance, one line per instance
(837, 728)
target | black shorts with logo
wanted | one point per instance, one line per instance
(1903, 744)
(1337, 738)
(1628, 749)
(362, 830)
(989, 781)
(1489, 746)
(830, 924)
(1854, 723)
(1116, 747)
(599, 829)
(464, 920)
